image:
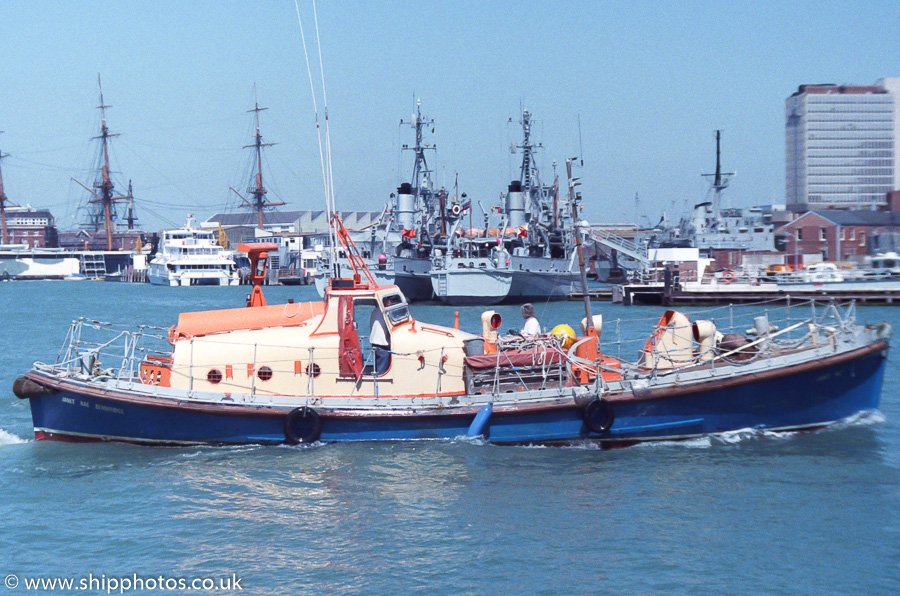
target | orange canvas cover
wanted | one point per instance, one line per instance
(219, 321)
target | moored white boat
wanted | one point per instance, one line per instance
(22, 262)
(191, 257)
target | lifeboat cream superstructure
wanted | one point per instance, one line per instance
(302, 349)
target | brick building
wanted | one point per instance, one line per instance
(34, 227)
(123, 240)
(837, 235)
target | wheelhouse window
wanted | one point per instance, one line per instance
(395, 308)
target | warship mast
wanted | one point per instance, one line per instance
(528, 173)
(720, 183)
(421, 181)
(131, 216)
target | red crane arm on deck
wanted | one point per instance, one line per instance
(356, 261)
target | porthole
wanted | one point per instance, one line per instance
(214, 376)
(265, 373)
(313, 370)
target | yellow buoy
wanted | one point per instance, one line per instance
(565, 335)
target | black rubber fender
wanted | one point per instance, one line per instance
(26, 389)
(302, 425)
(598, 415)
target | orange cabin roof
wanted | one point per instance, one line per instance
(234, 319)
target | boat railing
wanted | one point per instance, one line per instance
(545, 365)
(652, 274)
(89, 344)
(101, 351)
(767, 328)
(619, 243)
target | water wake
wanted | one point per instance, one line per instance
(865, 418)
(744, 435)
(7, 438)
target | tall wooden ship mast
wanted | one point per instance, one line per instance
(3, 200)
(105, 199)
(258, 203)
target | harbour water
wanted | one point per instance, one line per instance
(751, 513)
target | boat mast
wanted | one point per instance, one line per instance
(259, 202)
(573, 200)
(105, 198)
(131, 218)
(105, 186)
(3, 200)
(720, 183)
(528, 172)
(421, 174)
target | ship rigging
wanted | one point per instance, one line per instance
(258, 191)
(103, 214)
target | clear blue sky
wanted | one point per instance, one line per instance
(650, 81)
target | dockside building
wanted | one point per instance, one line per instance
(841, 148)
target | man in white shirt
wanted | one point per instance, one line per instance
(380, 340)
(532, 327)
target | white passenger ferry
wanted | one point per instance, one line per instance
(191, 257)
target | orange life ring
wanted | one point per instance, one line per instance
(728, 277)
